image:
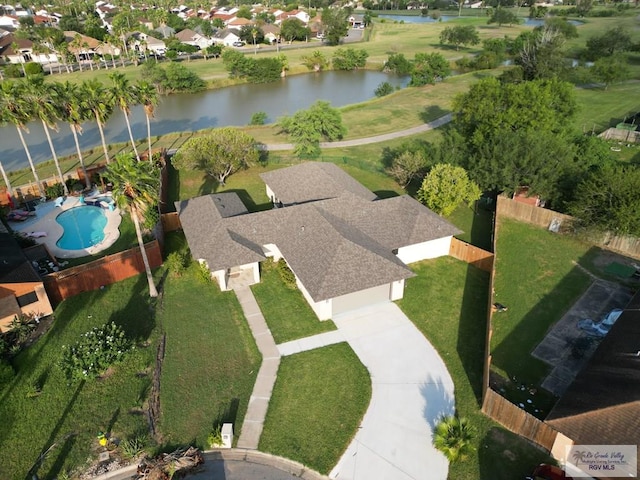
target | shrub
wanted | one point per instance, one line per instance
(215, 437)
(204, 273)
(32, 68)
(132, 447)
(453, 436)
(385, 88)
(176, 263)
(258, 118)
(96, 351)
(286, 274)
(13, 71)
(54, 191)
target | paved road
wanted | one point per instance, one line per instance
(438, 122)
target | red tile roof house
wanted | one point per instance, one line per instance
(347, 248)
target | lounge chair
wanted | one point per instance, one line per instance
(16, 217)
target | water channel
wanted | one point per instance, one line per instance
(212, 108)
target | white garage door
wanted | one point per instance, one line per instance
(361, 299)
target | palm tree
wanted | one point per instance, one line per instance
(452, 436)
(148, 97)
(124, 96)
(74, 112)
(94, 97)
(14, 109)
(135, 189)
(45, 104)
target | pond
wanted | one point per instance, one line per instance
(529, 22)
(212, 108)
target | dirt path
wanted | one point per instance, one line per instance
(438, 122)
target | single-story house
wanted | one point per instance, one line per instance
(356, 20)
(346, 248)
(21, 288)
(602, 405)
(190, 37)
(147, 42)
(23, 52)
(226, 36)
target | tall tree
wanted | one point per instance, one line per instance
(95, 98)
(75, 113)
(135, 189)
(336, 24)
(447, 186)
(124, 96)
(46, 107)
(13, 109)
(148, 97)
(219, 154)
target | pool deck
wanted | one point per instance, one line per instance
(45, 221)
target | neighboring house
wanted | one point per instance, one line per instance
(271, 32)
(356, 21)
(21, 288)
(142, 42)
(226, 36)
(239, 22)
(20, 50)
(85, 46)
(190, 37)
(9, 21)
(602, 405)
(165, 31)
(346, 248)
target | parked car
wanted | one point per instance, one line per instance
(238, 44)
(548, 472)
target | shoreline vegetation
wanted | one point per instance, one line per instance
(403, 109)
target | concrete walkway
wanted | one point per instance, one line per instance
(438, 122)
(259, 400)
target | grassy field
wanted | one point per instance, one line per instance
(285, 310)
(68, 417)
(211, 360)
(318, 401)
(448, 301)
(537, 279)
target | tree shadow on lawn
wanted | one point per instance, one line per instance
(432, 112)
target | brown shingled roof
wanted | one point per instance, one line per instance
(602, 405)
(312, 181)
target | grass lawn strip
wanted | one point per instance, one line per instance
(447, 301)
(71, 415)
(318, 401)
(211, 359)
(537, 280)
(285, 310)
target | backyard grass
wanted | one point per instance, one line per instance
(285, 310)
(318, 401)
(537, 279)
(447, 301)
(211, 359)
(68, 417)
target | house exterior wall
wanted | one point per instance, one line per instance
(272, 250)
(397, 290)
(10, 307)
(421, 251)
(363, 298)
(271, 195)
(221, 277)
(322, 309)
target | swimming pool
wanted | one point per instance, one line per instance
(83, 227)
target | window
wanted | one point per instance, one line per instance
(27, 299)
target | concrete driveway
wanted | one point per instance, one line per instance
(411, 389)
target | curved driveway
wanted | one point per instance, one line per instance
(411, 389)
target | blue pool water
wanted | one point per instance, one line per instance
(83, 227)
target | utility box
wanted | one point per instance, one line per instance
(227, 435)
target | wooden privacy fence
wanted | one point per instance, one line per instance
(517, 420)
(170, 222)
(104, 271)
(543, 217)
(471, 254)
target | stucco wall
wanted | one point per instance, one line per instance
(421, 251)
(322, 308)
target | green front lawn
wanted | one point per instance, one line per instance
(211, 360)
(67, 417)
(537, 279)
(285, 310)
(447, 301)
(317, 403)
